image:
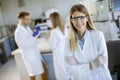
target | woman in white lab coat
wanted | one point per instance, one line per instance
(85, 50)
(28, 46)
(56, 40)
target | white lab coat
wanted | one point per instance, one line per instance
(94, 46)
(56, 42)
(29, 50)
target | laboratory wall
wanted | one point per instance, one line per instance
(35, 7)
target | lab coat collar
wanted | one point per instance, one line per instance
(84, 36)
(22, 26)
(25, 28)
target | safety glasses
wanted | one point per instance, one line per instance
(75, 19)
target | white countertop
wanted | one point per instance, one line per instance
(42, 45)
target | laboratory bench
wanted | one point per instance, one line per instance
(46, 53)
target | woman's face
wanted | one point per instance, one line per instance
(79, 20)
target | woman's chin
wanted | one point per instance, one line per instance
(80, 28)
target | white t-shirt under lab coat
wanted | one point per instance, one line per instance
(56, 42)
(94, 46)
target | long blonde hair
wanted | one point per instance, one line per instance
(89, 25)
(57, 21)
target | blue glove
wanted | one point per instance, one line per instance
(36, 30)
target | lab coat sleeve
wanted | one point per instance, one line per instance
(102, 51)
(24, 41)
(74, 70)
(53, 40)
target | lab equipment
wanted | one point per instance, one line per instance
(47, 14)
(102, 10)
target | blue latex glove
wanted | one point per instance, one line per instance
(36, 30)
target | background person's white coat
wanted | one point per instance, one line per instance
(94, 46)
(30, 52)
(56, 41)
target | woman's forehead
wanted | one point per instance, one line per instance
(77, 13)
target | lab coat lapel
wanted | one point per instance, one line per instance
(26, 30)
(79, 50)
(29, 30)
(86, 37)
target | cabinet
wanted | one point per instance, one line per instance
(5, 49)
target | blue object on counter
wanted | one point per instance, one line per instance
(36, 30)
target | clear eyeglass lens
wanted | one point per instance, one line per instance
(78, 18)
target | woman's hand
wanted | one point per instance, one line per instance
(100, 60)
(90, 66)
(71, 61)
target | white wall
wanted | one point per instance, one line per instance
(35, 7)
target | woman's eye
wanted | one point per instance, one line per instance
(82, 17)
(76, 18)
